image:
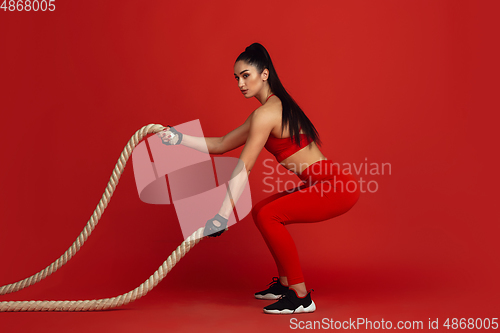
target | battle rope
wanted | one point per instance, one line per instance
(106, 303)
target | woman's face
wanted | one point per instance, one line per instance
(250, 81)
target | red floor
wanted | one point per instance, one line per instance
(352, 293)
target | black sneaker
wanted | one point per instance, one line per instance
(275, 291)
(290, 303)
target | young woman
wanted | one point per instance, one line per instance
(280, 126)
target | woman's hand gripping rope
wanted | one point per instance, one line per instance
(215, 226)
(170, 136)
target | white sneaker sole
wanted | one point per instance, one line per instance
(267, 296)
(300, 309)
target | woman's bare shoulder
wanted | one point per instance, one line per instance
(272, 111)
(271, 114)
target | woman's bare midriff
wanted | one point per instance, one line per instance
(300, 160)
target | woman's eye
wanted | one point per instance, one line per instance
(245, 76)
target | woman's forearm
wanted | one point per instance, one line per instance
(213, 144)
(239, 179)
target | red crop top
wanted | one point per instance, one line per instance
(282, 148)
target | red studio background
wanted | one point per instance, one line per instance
(412, 84)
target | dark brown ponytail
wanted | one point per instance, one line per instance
(292, 115)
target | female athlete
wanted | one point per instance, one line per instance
(280, 126)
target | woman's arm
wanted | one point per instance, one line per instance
(260, 126)
(237, 137)
(216, 145)
(201, 143)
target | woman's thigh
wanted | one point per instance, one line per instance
(258, 206)
(315, 203)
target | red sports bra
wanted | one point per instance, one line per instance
(282, 148)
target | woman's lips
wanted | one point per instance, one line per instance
(244, 91)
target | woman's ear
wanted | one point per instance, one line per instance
(265, 74)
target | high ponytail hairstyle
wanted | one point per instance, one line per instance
(292, 115)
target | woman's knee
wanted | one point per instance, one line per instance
(257, 208)
(257, 218)
(255, 211)
(265, 217)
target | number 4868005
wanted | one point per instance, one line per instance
(28, 5)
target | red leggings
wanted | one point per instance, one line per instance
(325, 192)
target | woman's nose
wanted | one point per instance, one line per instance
(240, 84)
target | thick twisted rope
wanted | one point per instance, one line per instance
(114, 302)
(101, 304)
